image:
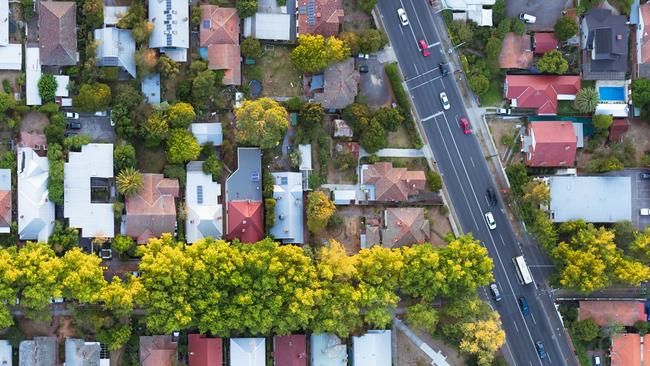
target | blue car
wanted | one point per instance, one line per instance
(523, 305)
(540, 349)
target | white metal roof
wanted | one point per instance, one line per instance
(5, 353)
(32, 75)
(11, 57)
(344, 197)
(305, 157)
(289, 223)
(171, 25)
(372, 349)
(247, 352)
(270, 26)
(4, 22)
(94, 219)
(207, 132)
(62, 82)
(204, 212)
(327, 350)
(35, 211)
(113, 14)
(615, 109)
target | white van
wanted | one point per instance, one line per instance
(645, 211)
(527, 18)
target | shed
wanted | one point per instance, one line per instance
(327, 350)
(372, 349)
(62, 82)
(11, 57)
(32, 75)
(151, 88)
(247, 352)
(345, 197)
(208, 132)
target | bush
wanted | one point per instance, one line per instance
(213, 166)
(294, 104)
(404, 104)
(123, 244)
(435, 181)
(565, 28)
(47, 88)
(174, 171)
(269, 209)
(110, 73)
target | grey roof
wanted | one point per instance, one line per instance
(116, 48)
(580, 135)
(204, 212)
(151, 88)
(81, 353)
(246, 182)
(208, 132)
(592, 199)
(341, 85)
(604, 41)
(57, 25)
(644, 70)
(41, 351)
(287, 193)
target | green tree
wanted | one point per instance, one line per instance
(204, 86)
(504, 27)
(310, 118)
(181, 115)
(156, 129)
(639, 248)
(213, 166)
(374, 138)
(6, 102)
(565, 28)
(435, 181)
(123, 243)
(493, 48)
(75, 142)
(371, 40)
(9, 275)
(315, 52)
(261, 122)
(479, 84)
(146, 60)
(55, 182)
(602, 121)
(518, 27)
(460, 31)
(123, 156)
(93, 13)
(641, 91)
(319, 210)
(389, 118)
(121, 297)
(604, 165)
(82, 278)
(182, 146)
(47, 87)
(351, 41)
(115, 337)
(420, 276)
(167, 67)
(625, 233)
(498, 11)
(251, 47)
(586, 100)
(585, 330)
(40, 271)
(553, 63)
(354, 114)
(422, 316)
(367, 5)
(465, 265)
(246, 8)
(92, 97)
(129, 181)
(62, 238)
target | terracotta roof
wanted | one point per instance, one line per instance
(404, 226)
(320, 16)
(626, 350)
(516, 52)
(218, 25)
(5, 209)
(351, 147)
(290, 350)
(608, 312)
(545, 42)
(644, 11)
(158, 350)
(57, 23)
(245, 221)
(540, 91)
(393, 184)
(618, 128)
(204, 351)
(226, 57)
(152, 211)
(553, 144)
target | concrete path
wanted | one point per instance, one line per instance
(395, 153)
(437, 358)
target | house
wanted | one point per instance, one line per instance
(171, 28)
(327, 350)
(116, 47)
(606, 313)
(219, 35)
(35, 211)
(6, 353)
(245, 211)
(544, 42)
(152, 211)
(150, 87)
(604, 38)
(305, 165)
(57, 25)
(385, 183)
(373, 348)
(643, 42)
(204, 351)
(37, 141)
(601, 199)
(269, 27)
(40, 351)
(618, 129)
(322, 17)
(4, 27)
(88, 191)
(289, 223)
(627, 348)
(478, 11)
(403, 226)
(32, 76)
(5, 200)
(11, 56)
(540, 92)
(204, 209)
(516, 52)
(81, 353)
(207, 132)
(340, 85)
(290, 350)
(247, 352)
(158, 350)
(342, 129)
(550, 144)
(113, 14)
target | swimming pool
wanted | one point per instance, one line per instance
(611, 93)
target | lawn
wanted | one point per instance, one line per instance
(355, 19)
(399, 138)
(279, 76)
(150, 160)
(494, 95)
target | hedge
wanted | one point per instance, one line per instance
(403, 104)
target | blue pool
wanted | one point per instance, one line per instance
(611, 93)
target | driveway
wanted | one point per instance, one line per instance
(640, 195)
(547, 11)
(373, 84)
(98, 128)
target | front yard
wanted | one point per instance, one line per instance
(276, 72)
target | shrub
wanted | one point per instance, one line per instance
(404, 104)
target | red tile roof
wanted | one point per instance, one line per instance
(219, 33)
(157, 350)
(290, 350)
(205, 351)
(644, 12)
(226, 57)
(553, 144)
(540, 91)
(5, 209)
(608, 312)
(545, 42)
(516, 52)
(393, 184)
(618, 129)
(245, 221)
(325, 19)
(404, 226)
(152, 211)
(626, 350)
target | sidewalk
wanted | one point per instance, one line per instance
(395, 153)
(437, 358)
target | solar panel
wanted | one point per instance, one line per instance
(283, 180)
(302, 9)
(206, 24)
(255, 177)
(199, 195)
(310, 13)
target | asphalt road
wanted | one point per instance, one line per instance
(466, 176)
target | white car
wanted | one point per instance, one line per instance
(101, 113)
(527, 18)
(445, 101)
(645, 211)
(402, 16)
(72, 115)
(489, 219)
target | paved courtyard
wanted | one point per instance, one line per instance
(546, 11)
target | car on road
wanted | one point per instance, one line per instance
(645, 176)
(596, 360)
(527, 18)
(465, 126)
(401, 13)
(72, 115)
(444, 68)
(523, 305)
(74, 125)
(645, 212)
(491, 197)
(445, 101)
(363, 69)
(424, 47)
(496, 294)
(489, 219)
(541, 352)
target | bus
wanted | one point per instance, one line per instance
(522, 270)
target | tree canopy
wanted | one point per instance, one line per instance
(182, 146)
(47, 87)
(565, 28)
(261, 122)
(315, 52)
(92, 98)
(553, 63)
(319, 210)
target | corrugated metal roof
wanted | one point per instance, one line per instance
(372, 348)
(289, 223)
(35, 211)
(247, 352)
(592, 199)
(203, 219)
(32, 75)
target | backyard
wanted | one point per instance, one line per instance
(355, 19)
(150, 160)
(276, 72)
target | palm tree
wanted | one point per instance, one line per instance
(586, 100)
(129, 181)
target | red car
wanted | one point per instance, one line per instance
(424, 47)
(464, 124)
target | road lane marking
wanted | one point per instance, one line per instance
(533, 317)
(422, 74)
(502, 241)
(435, 44)
(431, 116)
(516, 327)
(424, 83)
(471, 159)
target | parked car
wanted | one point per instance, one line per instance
(363, 69)
(401, 13)
(74, 125)
(56, 300)
(444, 68)
(527, 18)
(445, 101)
(364, 56)
(523, 305)
(596, 360)
(72, 115)
(645, 176)
(496, 294)
(541, 352)
(504, 111)
(70, 133)
(491, 197)
(645, 212)
(465, 126)
(489, 219)
(424, 47)
(106, 253)
(101, 113)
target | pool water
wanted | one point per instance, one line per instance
(611, 93)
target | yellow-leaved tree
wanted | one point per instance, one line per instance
(319, 210)
(483, 338)
(261, 122)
